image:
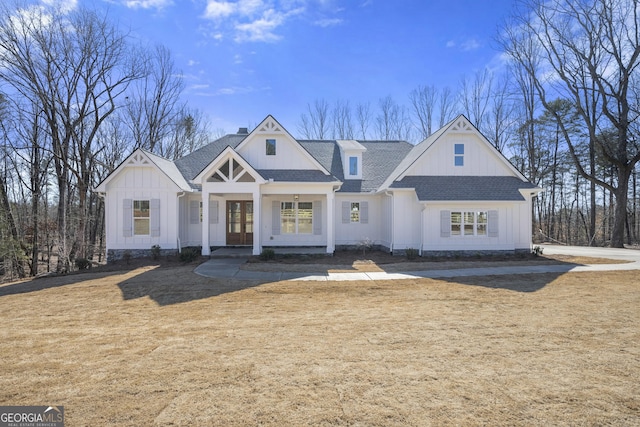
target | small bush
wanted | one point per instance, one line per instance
(365, 244)
(83, 264)
(267, 254)
(189, 255)
(411, 253)
(126, 256)
(155, 252)
(537, 250)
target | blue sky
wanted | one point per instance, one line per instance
(244, 59)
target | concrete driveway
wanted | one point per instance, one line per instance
(230, 268)
(632, 255)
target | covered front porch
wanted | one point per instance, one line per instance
(251, 221)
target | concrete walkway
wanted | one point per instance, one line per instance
(230, 268)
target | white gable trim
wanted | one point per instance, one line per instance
(228, 153)
(142, 158)
(458, 125)
(270, 126)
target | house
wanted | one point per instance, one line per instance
(452, 192)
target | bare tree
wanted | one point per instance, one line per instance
(474, 97)
(190, 131)
(72, 67)
(447, 106)
(363, 117)
(500, 120)
(342, 120)
(154, 104)
(315, 123)
(591, 52)
(423, 101)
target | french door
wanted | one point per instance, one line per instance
(239, 222)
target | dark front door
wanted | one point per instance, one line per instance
(240, 222)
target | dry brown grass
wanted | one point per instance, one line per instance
(162, 346)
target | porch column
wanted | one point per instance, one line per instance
(206, 247)
(331, 232)
(257, 222)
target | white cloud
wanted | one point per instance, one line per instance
(63, 5)
(148, 4)
(219, 9)
(253, 20)
(464, 45)
(470, 44)
(328, 22)
(261, 29)
(192, 63)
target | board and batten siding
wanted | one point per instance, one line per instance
(289, 155)
(406, 220)
(270, 221)
(479, 160)
(141, 183)
(513, 227)
(351, 233)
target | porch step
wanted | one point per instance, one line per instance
(231, 253)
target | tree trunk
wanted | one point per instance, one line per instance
(620, 210)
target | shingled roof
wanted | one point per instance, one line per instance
(459, 188)
(380, 159)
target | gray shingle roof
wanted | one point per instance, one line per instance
(192, 164)
(380, 159)
(295, 175)
(458, 188)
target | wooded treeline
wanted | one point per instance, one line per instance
(78, 94)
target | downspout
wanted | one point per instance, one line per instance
(391, 242)
(424, 209)
(181, 194)
(104, 199)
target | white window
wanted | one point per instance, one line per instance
(353, 166)
(271, 147)
(296, 217)
(458, 151)
(141, 217)
(469, 223)
(355, 212)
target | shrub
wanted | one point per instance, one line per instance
(267, 254)
(365, 244)
(155, 252)
(537, 250)
(126, 256)
(411, 253)
(83, 264)
(189, 255)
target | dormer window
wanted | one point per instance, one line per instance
(458, 151)
(271, 147)
(353, 166)
(351, 152)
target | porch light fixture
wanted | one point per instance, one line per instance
(296, 197)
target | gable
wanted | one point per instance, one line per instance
(284, 152)
(142, 169)
(473, 155)
(229, 167)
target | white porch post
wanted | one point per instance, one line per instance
(206, 247)
(257, 222)
(331, 232)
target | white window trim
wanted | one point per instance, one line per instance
(462, 224)
(141, 218)
(296, 216)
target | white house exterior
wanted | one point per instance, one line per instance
(451, 192)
